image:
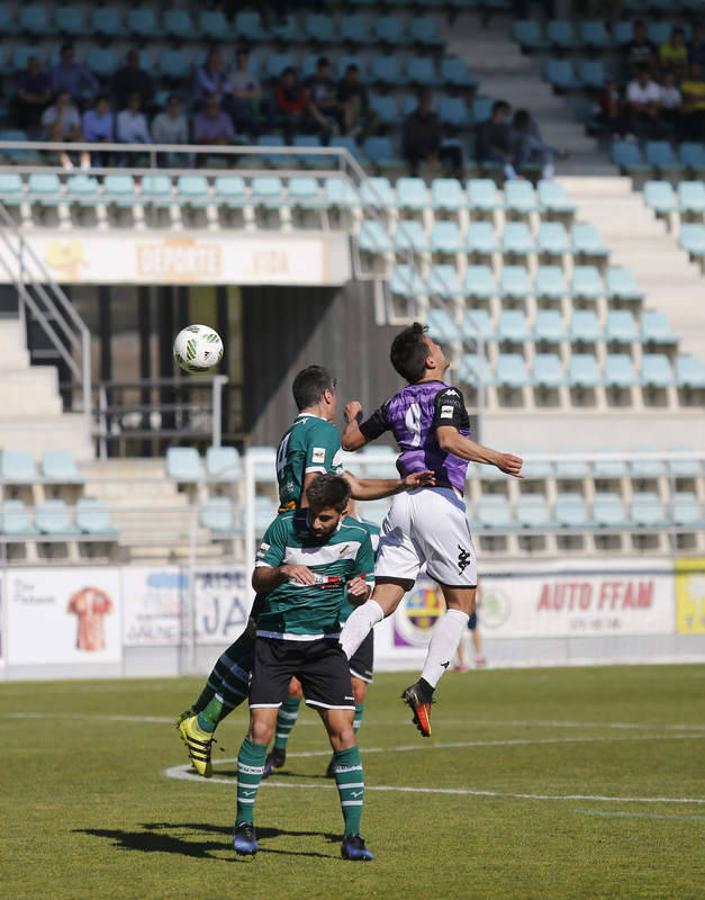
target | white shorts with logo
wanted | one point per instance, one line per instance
(427, 526)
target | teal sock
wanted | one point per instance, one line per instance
(209, 717)
(286, 719)
(359, 710)
(351, 787)
(250, 765)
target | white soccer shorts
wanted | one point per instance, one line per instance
(427, 526)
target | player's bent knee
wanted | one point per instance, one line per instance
(342, 738)
(261, 731)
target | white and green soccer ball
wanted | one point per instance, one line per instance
(198, 348)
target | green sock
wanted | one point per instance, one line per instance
(204, 699)
(209, 717)
(359, 710)
(250, 765)
(286, 719)
(351, 787)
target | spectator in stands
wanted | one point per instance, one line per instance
(608, 111)
(696, 48)
(693, 104)
(98, 127)
(644, 105)
(213, 125)
(246, 94)
(639, 52)
(421, 135)
(670, 103)
(131, 79)
(33, 95)
(211, 81)
(673, 54)
(323, 97)
(494, 140)
(132, 124)
(69, 75)
(291, 102)
(61, 122)
(354, 112)
(527, 145)
(171, 127)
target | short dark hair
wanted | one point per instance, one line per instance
(310, 385)
(322, 61)
(328, 491)
(409, 352)
(500, 105)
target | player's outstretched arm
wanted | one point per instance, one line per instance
(378, 488)
(452, 441)
(353, 438)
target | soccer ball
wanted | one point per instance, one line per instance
(198, 348)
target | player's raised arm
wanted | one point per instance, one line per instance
(357, 432)
(379, 488)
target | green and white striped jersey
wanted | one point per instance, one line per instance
(307, 612)
(312, 444)
(373, 531)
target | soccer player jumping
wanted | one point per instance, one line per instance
(428, 525)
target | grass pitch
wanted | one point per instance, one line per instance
(546, 783)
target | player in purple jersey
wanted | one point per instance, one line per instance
(428, 525)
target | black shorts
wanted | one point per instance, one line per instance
(362, 660)
(320, 665)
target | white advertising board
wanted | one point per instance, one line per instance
(63, 616)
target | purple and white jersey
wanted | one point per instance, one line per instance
(413, 415)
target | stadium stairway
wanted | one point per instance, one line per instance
(506, 74)
(642, 243)
(31, 413)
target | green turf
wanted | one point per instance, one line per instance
(88, 811)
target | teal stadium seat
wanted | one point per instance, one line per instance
(421, 71)
(691, 198)
(550, 282)
(378, 193)
(217, 514)
(423, 30)
(686, 510)
(572, 469)
(386, 70)
(612, 468)
(476, 324)
(107, 22)
(510, 371)
(594, 34)
(583, 371)
(481, 109)
(214, 25)
(627, 156)
(479, 282)
(15, 521)
(656, 329)
(275, 63)
(517, 239)
(441, 325)
(692, 239)
(659, 154)
(586, 283)
(532, 511)
(493, 512)
(621, 327)
(355, 29)
(11, 189)
(223, 464)
(183, 464)
(72, 20)
(379, 151)
(60, 467)
(446, 238)
(267, 191)
(620, 285)
(454, 71)
(520, 197)
(692, 155)
(341, 194)
(44, 189)
(528, 34)
(230, 191)
(481, 238)
(656, 371)
(608, 511)
(690, 372)
(173, 63)
(592, 74)
(193, 190)
(142, 22)
(483, 195)
(386, 109)
(412, 194)
(552, 239)
(411, 236)
(443, 282)
(34, 19)
(406, 281)
(447, 195)
(619, 371)
(561, 34)
(17, 467)
(387, 30)
(373, 238)
(248, 25)
(304, 192)
(548, 326)
(93, 518)
(684, 468)
(177, 22)
(646, 510)
(547, 371)
(586, 240)
(553, 198)
(584, 327)
(571, 511)
(157, 191)
(561, 75)
(660, 197)
(512, 326)
(52, 518)
(514, 282)
(120, 190)
(453, 111)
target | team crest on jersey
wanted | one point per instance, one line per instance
(318, 455)
(446, 412)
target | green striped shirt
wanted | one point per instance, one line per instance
(312, 444)
(307, 612)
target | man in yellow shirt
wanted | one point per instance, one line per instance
(673, 53)
(693, 104)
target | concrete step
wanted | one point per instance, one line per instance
(64, 431)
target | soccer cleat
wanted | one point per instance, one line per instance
(245, 839)
(353, 847)
(198, 743)
(420, 701)
(330, 771)
(186, 714)
(480, 662)
(275, 760)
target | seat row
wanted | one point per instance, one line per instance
(659, 158)
(56, 467)
(545, 475)
(514, 283)
(53, 519)
(221, 465)
(114, 23)
(594, 34)
(448, 238)
(549, 327)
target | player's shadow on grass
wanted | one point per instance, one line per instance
(155, 838)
